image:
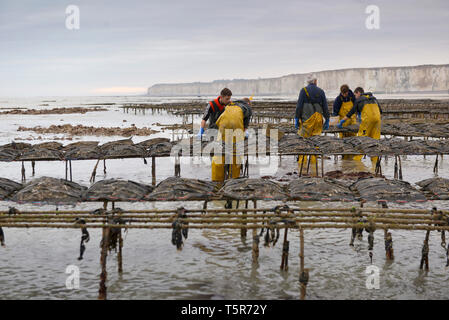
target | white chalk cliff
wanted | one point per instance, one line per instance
(423, 78)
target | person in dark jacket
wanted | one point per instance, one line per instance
(342, 105)
(366, 104)
(214, 109)
(310, 110)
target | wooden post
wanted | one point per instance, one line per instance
(303, 273)
(322, 165)
(177, 167)
(70, 165)
(33, 167)
(120, 253)
(308, 164)
(104, 166)
(302, 164)
(102, 292)
(23, 172)
(255, 240)
(285, 245)
(153, 170)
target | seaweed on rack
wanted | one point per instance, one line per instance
(51, 145)
(51, 191)
(367, 145)
(379, 189)
(124, 148)
(176, 188)
(8, 187)
(117, 190)
(149, 142)
(437, 188)
(79, 144)
(294, 144)
(160, 149)
(332, 145)
(9, 154)
(123, 151)
(252, 189)
(320, 189)
(40, 153)
(83, 152)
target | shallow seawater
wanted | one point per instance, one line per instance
(214, 264)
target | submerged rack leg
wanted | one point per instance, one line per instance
(255, 247)
(153, 170)
(94, 172)
(256, 241)
(425, 253)
(70, 165)
(388, 245)
(102, 294)
(177, 167)
(120, 253)
(33, 164)
(303, 273)
(243, 231)
(23, 172)
(322, 165)
(104, 166)
(285, 247)
(435, 167)
(308, 165)
(302, 165)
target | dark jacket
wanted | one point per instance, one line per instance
(213, 111)
(360, 102)
(317, 96)
(247, 112)
(339, 101)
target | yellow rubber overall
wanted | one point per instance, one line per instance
(230, 126)
(370, 126)
(345, 108)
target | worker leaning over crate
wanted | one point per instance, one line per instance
(232, 125)
(368, 106)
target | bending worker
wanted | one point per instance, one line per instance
(232, 126)
(342, 105)
(214, 109)
(367, 105)
(310, 110)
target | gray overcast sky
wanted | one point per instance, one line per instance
(122, 47)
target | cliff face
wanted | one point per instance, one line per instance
(379, 80)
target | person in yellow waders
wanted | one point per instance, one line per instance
(370, 110)
(310, 110)
(342, 105)
(232, 125)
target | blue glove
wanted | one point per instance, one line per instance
(246, 134)
(296, 123)
(340, 125)
(326, 124)
(200, 133)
